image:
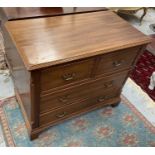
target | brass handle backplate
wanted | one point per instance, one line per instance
(64, 98)
(61, 115)
(118, 63)
(109, 84)
(101, 99)
(69, 76)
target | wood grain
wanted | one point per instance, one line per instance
(82, 91)
(53, 77)
(17, 13)
(69, 110)
(117, 60)
(49, 41)
(72, 64)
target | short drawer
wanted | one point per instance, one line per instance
(65, 74)
(117, 60)
(71, 110)
(81, 92)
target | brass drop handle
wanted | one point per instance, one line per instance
(61, 115)
(109, 84)
(117, 63)
(64, 98)
(101, 99)
(68, 77)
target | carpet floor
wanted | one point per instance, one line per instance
(142, 72)
(120, 126)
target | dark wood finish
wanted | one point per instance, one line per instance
(35, 98)
(69, 65)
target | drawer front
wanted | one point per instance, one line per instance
(117, 60)
(65, 74)
(81, 92)
(70, 110)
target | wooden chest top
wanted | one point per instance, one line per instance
(49, 41)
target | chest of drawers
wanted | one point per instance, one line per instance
(67, 65)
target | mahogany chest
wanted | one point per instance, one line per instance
(67, 65)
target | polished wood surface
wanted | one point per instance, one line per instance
(16, 13)
(81, 92)
(68, 65)
(54, 40)
(18, 73)
(66, 74)
(117, 60)
(69, 110)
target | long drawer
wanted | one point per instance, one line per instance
(81, 92)
(67, 111)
